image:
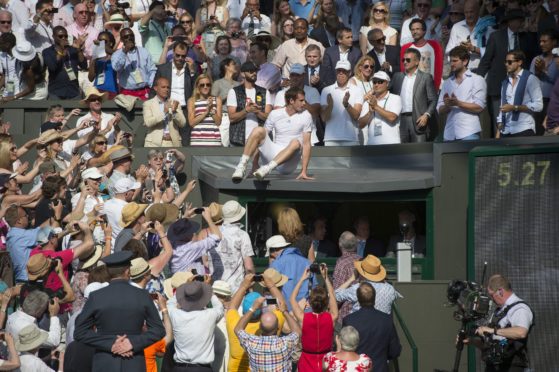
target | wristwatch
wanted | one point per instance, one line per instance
(515, 107)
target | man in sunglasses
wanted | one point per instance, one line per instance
(82, 29)
(94, 99)
(422, 11)
(521, 98)
(387, 57)
(5, 22)
(38, 30)
(63, 62)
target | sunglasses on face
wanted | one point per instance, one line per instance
(83, 12)
(5, 22)
(127, 37)
(62, 36)
(204, 85)
(94, 99)
(376, 82)
(380, 40)
(510, 61)
(406, 60)
(180, 56)
(423, 5)
(13, 148)
(455, 13)
(101, 143)
(188, 21)
(379, 11)
(367, 67)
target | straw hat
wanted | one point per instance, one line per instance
(130, 213)
(30, 338)
(93, 92)
(278, 279)
(92, 259)
(116, 19)
(49, 136)
(232, 211)
(165, 213)
(276, 242)
(172, 283)
(371, 268)
(138, 268)
(222, 288)
(106, 157)
(38, 266)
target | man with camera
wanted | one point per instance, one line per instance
(504, 340)
(154, 29)
(253, 20)
(38, 30)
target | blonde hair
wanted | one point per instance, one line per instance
(357, 69)
(94, 142)
(290, 225)
(196, 91)
(370, 19)
(5, 158)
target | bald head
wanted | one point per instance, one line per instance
(471, 11)
(268, 324)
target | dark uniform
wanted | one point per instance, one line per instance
(118, 309)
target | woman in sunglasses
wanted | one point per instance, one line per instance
(363, 79)
(204, 114)
(377, 17)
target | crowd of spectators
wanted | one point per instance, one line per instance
(103, 264)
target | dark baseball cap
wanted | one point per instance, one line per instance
(248, 67)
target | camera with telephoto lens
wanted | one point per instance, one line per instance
(123, 5)
(470, 299)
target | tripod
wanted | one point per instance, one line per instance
(459, 347)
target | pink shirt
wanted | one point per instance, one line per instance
(76, 30)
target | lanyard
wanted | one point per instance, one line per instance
(137, 56)
(161, 36)
(7, 68)
(365, 88)
(383, 107)
(46, 32)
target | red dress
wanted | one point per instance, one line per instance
(316, 340)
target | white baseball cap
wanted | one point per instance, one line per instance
(343, 65)
(124, 185)
(91, 173)
(381, 75)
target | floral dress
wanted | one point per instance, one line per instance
(363, 364)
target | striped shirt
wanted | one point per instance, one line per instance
(205, 133)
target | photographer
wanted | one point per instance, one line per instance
(63, 62)
(38, 30)
(154, 30)
(505, 339)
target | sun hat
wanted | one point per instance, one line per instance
(248, 301)
(172, 283)
(276, 41)
(93, 92)
(106, 157)
(126, 102)
(138, 268)
(130, 213)
(278, 279)
(232, 211)
(193, 296)
(49, 136)
(92, 259)
(91, 173)
(124, 185)
(38, 266)
(181, 231)
(216, 212)
(30, 338)
(24, 51)
(371, 268)
(276, 242)
(120, 153)
(115, 19)
(222, 288)
(165, 213)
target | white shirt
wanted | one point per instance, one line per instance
(380, 130)
(311, 96)
(113, 210)
(19, 320)
(39, 35)
(461, 123)
(459, 33)
(519, 315)
(177, 84)
(11, 72)
(194, 332)
(105, 118)
(343, 55)
(262, 24)
(288, 127)
(533, 99)
(235, 8)
(32, 363)
(251, 121)
(407, 92)
(406, 33)
(89, 206)
(341, 127)
(20, 15)
(510, 35)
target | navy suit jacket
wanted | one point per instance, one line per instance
(329, 60)
(319, 34)
(377, 336)
(392, 56)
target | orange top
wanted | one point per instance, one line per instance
(150, 352)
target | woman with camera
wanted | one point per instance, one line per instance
(318, 324)
(101, 71)
(211, 19)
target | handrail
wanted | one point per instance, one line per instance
(409, 338)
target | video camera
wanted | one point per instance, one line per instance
(471, 300)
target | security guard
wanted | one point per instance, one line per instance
(113, 319)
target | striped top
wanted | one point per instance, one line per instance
(205, 133)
